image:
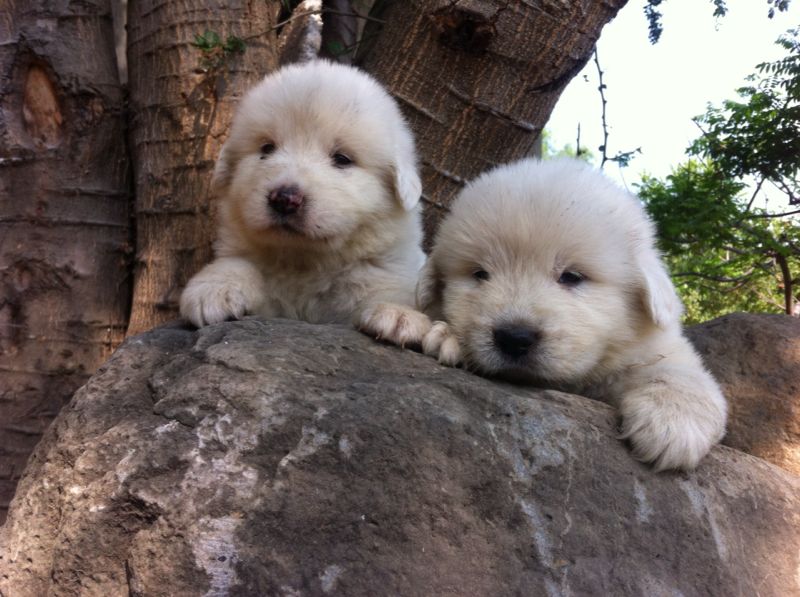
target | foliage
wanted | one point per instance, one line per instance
(653, 14)
(726, 252)
(759, 135)
(214, 51)
(722, 254)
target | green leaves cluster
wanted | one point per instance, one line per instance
(722, 255)
(759, 135)
(215, 51)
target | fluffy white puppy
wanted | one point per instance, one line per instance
(548, 272)
(319, 221)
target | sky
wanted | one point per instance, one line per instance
(653, 91)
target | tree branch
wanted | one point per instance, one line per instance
(788, 297)
(311, 12)
(780, 215)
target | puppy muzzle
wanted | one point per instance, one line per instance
(285, 200)
(514, 340)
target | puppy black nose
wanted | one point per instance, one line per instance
(285, 200)
(514, 340)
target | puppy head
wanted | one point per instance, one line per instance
(315, 151)
(547, 270)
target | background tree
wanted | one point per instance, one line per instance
(721, 260)
(728, 251)
(759, 135)
(652, 10)
(477, 80)
(189, 64)
(64, 220)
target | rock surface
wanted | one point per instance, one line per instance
(281, 458)
(756, 359)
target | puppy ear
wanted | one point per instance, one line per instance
(404, 175)
(223, 172)
(406, 182)
(429, 290)
(660, 301)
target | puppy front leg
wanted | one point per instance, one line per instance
(395, 323)
(227, 288)
(672, 411)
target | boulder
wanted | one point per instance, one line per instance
(756, 359)
(282, 458)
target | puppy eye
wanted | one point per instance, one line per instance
(341, 160)
(571, 278)
(267, 148)
(480, 274)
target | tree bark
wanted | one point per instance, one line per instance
(182, 100)
(64, 221)
(478, 79)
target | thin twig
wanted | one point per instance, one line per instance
(622, 157)
(314, 12)
(601, 88)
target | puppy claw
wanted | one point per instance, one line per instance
(450, 353)
(225, 289)
(439, 342)
(206, 304)
(394, 323)
(432, 341)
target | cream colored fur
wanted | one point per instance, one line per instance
(352, 252)
(615, 335)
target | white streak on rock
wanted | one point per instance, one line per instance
(310, 442)
(167, 427)
(643, 508)
(345, 447)
(521, 472)
(701, 507)
(553, 590)
(696, 498)
(329, 577)
(215, 552)
(125, 466)
(540, 537)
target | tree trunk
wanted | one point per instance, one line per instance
(64, 221)
(182, 100)
(477, 79)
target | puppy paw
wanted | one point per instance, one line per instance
(205, 303)
(672, 429)
(227, 288)
(394, 323)
(439, 342)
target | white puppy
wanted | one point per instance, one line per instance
(548, 272)
(318, 216)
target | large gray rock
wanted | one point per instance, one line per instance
(756, 359)
(281, 458)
